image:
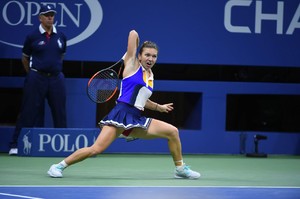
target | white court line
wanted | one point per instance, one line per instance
(18, 196)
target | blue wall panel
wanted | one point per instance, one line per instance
(210, 138)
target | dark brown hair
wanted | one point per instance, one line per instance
(148, 44)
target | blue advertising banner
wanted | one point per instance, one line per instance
(54, 142)
(226, 32)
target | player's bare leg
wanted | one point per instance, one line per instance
(160, 129)
(104, 139)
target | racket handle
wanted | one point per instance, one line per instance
(123, 58)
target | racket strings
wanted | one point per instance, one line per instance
(103, 86)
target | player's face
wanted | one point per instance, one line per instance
(148, 57)
(47, 19)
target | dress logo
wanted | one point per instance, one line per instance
(60, 45)
(41, 43)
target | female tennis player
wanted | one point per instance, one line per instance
(126, 119)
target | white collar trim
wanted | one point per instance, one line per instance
(42, 30)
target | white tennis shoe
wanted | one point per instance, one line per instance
(13, 151)
(55, 171)
(185, 172)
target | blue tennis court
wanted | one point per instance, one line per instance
(102, 192)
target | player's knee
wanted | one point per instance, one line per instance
(174, 133)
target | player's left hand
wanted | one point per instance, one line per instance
(165, 108)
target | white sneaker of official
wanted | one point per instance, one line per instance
(13, 151)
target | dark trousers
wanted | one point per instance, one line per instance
(38, 88)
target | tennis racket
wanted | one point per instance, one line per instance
(103, 85)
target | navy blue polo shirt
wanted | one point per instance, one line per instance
(45, 53)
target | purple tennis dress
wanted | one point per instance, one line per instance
(134, 92)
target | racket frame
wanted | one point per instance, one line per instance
(108, 68)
